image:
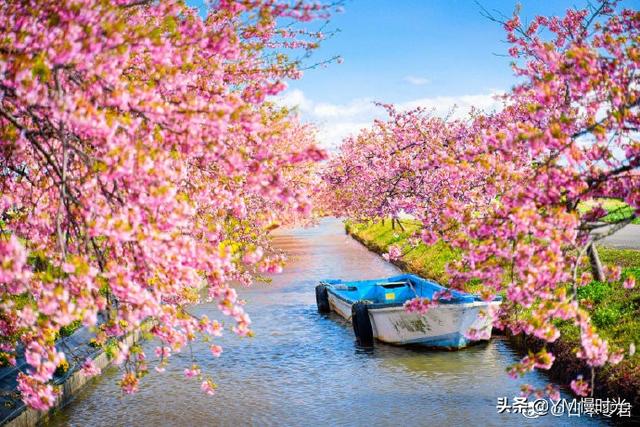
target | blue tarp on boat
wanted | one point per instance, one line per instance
(395, 290)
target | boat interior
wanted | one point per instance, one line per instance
(394, 290)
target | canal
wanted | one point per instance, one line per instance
(303, 368)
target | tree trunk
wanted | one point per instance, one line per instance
(596, 265)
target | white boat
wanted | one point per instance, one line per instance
(376, 309)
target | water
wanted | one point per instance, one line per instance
(303, 368)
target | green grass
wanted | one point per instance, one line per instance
(617, 210)
(615, 311)
(625, 258)
(68, 330)
(424, 260)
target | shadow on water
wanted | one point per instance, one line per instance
(304, 368)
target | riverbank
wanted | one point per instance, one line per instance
(14, 413)
(615, 311)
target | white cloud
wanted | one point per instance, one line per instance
(334, 121)
(331, 136)
(337, 121)
(293, 98)
(417, 81)
(325, 110)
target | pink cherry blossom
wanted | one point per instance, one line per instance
(629, 282)
(129, 383)
(89, 368)
(192, 372)
(208, 387)
(616, 357)
(216, 350)
(553, 392)
(580, 386)
(394, 253)
(253, 256)
(34, 393)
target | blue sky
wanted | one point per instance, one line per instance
(433, 53)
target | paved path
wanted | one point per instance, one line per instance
(626, 238)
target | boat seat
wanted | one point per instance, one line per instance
(345, 288)
(392, 285)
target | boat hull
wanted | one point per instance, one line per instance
(340, 306)
(443, 326)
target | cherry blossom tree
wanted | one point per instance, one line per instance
(580, 87)
(141, 161)
(504, 188)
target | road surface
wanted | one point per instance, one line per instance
(626, 238)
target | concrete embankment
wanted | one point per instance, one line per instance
(14, 413)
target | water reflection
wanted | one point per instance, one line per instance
(304, 368)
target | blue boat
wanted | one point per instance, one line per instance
(376, 310)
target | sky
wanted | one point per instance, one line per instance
(431, 53)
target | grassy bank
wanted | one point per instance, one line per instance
(426, 261)
(615, 311)
(616, 209)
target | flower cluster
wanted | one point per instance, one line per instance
(394, 253)
(89, 368)
(580, 386)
